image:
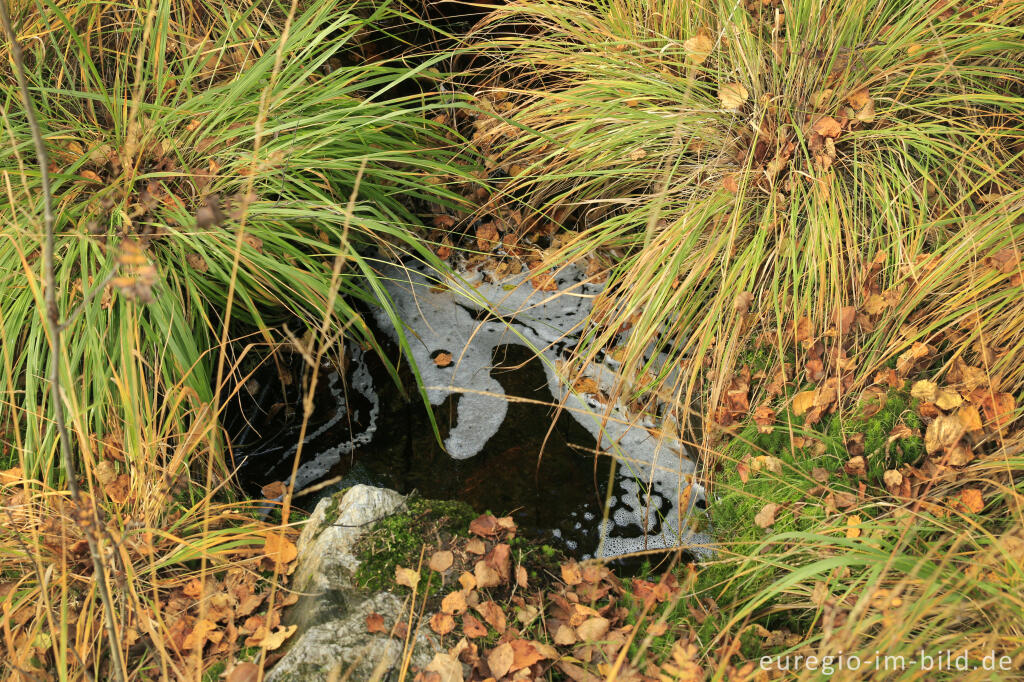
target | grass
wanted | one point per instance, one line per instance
(722, 223)
(827, 195)
(155, 167)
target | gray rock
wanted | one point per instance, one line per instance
(331, 614)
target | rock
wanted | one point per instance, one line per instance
(331, 613)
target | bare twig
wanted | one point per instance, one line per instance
(88, 516)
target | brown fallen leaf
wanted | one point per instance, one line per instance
(454, 602)
(766, 517)
(467, 581)
(279, 549)
(446, 667)
(275, 639)
(375, 623)
(441, 561)
(944, 432)
(972, 500)
(472, 627)
(487, 236)
(593, 629)
(493, 615)
(893, 481)
(443, 359)
(485, 575)
(272, 491)
(803, 401)
(485, 525)
(442, 623)
(698, 48)
(571, 573)
(826, 126)
(565, 635)
(500, 659)
(526, 653)
(243, 671)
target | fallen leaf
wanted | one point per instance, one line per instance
(276, 638)
(856, 466)
(732, 95)
(853, 526)
(485, 526)
(803, 401)
(485, 575)
(279, 549)
(499, 559)
(593, 629)
(472, 627)
(944, 431)
(441, 561)
(475, 546)
(119, 490)
(487, 236)
(924, 390)
(862, 105)
(565, 635)
(443, 359)
(244, 671)
(454, 602)
(407, 577)
(272, 491)
(446, 666)
(521, 577)
(493, 615)
(525, 654)
(972, 500)
(467, 581)
(766, 517)
(893, 480)
(375, 623)
(826, 126)
(442, 623)
(970, 418)
(766, 463)
(699, 47)
(196, 638)
(571, 573)
(499, 661)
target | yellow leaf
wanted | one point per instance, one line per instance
(853, 526)
(732, 95)
(698, 48)
(407, 577)
(803, 401)
(276, 638)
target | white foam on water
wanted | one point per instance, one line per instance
(360, 381)
(450, 316)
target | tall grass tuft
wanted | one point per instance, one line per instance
(747, 166)
(151, 117)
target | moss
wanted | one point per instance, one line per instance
(794, 490)
(397, 541)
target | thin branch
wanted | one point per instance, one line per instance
(88, 516)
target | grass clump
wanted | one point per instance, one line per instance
(746, 167)
(203, 185)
